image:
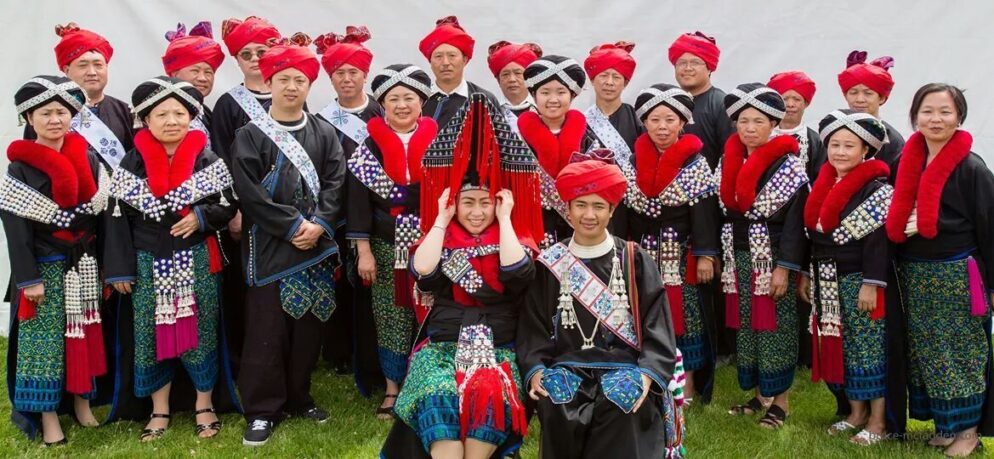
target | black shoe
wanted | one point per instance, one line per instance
(315, 414)
(258, 432)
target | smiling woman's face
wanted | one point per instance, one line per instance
(475, 210)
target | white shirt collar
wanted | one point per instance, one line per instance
(529, 102)
(462, 89)
(587, 252)
(793, 131)
(356, 109)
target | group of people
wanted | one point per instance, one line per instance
(488, 260)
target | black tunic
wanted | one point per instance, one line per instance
(868, 256)
(275, 200)
(228, 116)
(891, 152)
(628, 125)
(554, 223)
(711, 124)
(442, 108)
(368, 214)
(816, 155)
(115, 113)
(372, 110)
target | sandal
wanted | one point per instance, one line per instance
(840, 427)
(754, 405)
(386, 412)
(977, 450)
(52, 444)
(866, 438)
(201, 428)
(774, 418)
(154, 434)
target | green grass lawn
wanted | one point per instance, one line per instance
(354, 432)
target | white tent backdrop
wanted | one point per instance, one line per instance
(930, 41)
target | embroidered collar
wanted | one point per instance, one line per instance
(528, 103)
(740, 175)
(553, 150)
(359, 109)
(589, 252)
(68, 170)
(654, 171)
(288, 127)
(830, 195)
(920, 185)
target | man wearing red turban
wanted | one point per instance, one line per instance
(797, 90)
(449, 48)
(603, 300)
(867, 86)
(194, 58)
(289, 172)
(351, 337)
(84, 57)
(507, 62)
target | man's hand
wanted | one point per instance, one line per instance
(778, 286)
(646, 386)
(535, 386)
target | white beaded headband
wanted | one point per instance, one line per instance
(668, 96)
(167, 89)
(558, 70)
(403, 76)
(751, 98)
(850, 122)
(52, 89)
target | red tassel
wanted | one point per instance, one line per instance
(831, 359)
(482, 395)
(78, 377)
(95, 347)
(691, 276)
(186, 332)
(26, 309)
(881, 310)
(732, 319)
(519, 418)
(764, 313)
(107, 292)
(214, 259)
(165, 342)
(815, 350)
(403, 288)
(675, 294)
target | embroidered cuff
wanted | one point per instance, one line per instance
(790, 266)
(30, 283)
(327, 228)
(518, 264)
(356, 236)
(653, 376)
(111, 280)
(875, 282)
(200, 219)
(294, 227)
(704, 252)
(528, 376)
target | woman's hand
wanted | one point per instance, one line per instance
(235, 226)
(778, 286)
(705, 270)
(804, 289)
(504, 205)
(35, 293)
(367, 267)
(185, 227)
(867, 297)
(123, 287)
(446, 211)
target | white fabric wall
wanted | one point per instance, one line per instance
(930, 40)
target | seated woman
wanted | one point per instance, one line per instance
(461, 396)
(52, 197)
(171, 195)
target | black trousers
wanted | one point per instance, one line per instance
(278, 356)
(591, 426)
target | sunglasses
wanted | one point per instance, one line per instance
(246, 55)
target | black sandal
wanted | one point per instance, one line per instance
(154, 434)
(774, 418)
(200, 428)
(388, 410)
(755, 405)
(52, 444)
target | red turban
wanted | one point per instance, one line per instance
(185, 50)
(447, 31)
(338, 50)
(796, 80)
(505, 52)
(75, 42)
(290, 53)
(697, 44)
(611, 56)
(237, 34)
(592, 177)
(875, 75)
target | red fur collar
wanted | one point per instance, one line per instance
(68, 170)
(828, 198)
(655, 171)
(553, 151)
(916, 181)
(163, 174)
(740, 175)
(392, 148)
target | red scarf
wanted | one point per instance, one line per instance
(165, 175)
(828, 198)
(740, 175)
(488, 266)
(397, 163)
(915, 180)
(68, 170)
(655, 171)
(553, 151)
